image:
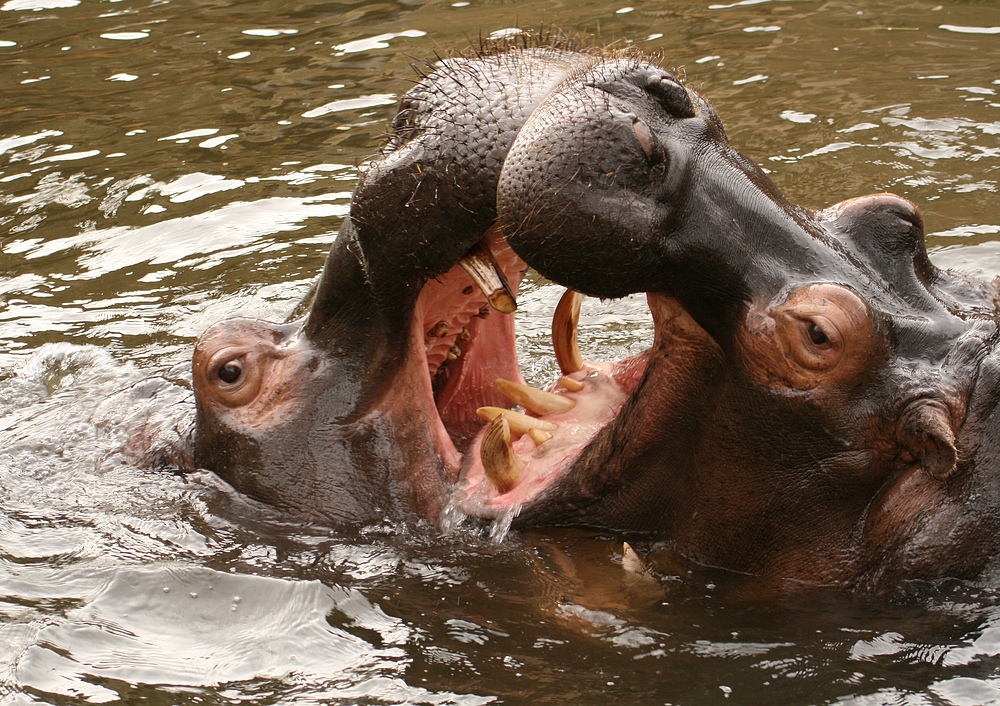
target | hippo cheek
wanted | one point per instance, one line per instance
(255, 387)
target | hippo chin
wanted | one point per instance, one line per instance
(818, 404)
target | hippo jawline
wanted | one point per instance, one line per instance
(519, 446)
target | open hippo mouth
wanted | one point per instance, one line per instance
(521, 442)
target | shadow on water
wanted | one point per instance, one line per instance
(163, 166)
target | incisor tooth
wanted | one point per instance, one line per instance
(500, 463)
(539, 436)
(520, 424)
(631, 561)
(534, 400)
(488, 276)
(564, 323)
(570, 384)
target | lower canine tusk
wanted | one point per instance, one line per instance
(501, 463)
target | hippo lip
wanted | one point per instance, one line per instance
(471, 358)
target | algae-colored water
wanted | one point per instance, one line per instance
(164, 165)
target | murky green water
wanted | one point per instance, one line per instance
(164, 165)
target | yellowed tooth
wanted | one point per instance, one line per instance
(438, 330)
(539, 436)
(570, 384)
(532, 399)
(564, 323)
(500, 462)
(631, 561)
(488, 276)
(520, 424)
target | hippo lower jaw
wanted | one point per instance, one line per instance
(470, 355)
(521, 448)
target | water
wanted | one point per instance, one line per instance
(164, 165)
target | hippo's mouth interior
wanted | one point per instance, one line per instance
(516, 441)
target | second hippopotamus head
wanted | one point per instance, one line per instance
(819, 403)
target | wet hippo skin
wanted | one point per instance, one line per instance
(819, 402)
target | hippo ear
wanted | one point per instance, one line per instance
(926, 433)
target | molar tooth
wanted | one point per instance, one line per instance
(487, 275)
(539, 436)
(534, 400)
(464, 335)
(570, 384)
(564, 323)
(484, 311)
(500, 462)
(454, 353)
(438, 330)
(520, 424)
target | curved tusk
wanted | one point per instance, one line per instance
(564, 323)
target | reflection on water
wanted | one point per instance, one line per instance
(164, 166)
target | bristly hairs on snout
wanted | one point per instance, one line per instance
(485, 47)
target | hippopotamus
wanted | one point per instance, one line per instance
(818, 405)
(358, 408)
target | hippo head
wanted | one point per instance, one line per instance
(358, 410)
(819, 401)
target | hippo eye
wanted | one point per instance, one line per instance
(230, 373)
(234, 375)
(820, 335)
(817, 335)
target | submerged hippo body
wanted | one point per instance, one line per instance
(818, 404)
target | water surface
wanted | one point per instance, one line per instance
(164, 165)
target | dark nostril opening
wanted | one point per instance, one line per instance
(671, 95)
(230, 373)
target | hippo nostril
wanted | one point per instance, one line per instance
(230, 373)
(644, 136)
(656, 155)
(671, 95)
